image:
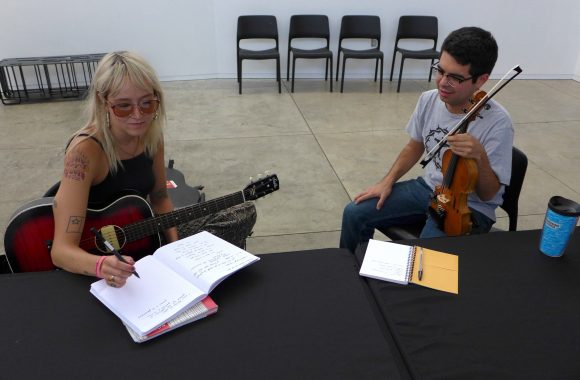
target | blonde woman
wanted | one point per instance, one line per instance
(119, 148)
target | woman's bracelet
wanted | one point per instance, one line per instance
(99, 265)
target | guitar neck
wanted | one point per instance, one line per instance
(157, 224)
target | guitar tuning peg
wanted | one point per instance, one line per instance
(267, 172)
(251, 179)
(259, 175)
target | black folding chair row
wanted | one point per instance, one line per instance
(352, 27)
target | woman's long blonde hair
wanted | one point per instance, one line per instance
(109, 77)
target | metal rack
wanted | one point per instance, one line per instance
(38, 79)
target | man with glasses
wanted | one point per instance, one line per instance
(468, 56)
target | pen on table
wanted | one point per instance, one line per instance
(110, 247)
(421, 264)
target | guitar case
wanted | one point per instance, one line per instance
(181, 193)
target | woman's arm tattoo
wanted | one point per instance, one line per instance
(75, 224)
(75, 166)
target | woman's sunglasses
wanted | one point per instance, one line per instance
(123, 109)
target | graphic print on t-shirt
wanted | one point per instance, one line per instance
(433, 138)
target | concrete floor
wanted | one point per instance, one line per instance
(324, 147)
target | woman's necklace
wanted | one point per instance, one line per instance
(129, 154)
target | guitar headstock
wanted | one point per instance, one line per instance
(261, 187)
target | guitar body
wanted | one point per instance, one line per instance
(29, 235)
(128, 223)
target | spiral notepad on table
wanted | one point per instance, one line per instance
(399, 263)
(388, 261)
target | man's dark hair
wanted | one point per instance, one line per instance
(472, 46)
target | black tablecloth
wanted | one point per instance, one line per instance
(304, 315)
(517, 315)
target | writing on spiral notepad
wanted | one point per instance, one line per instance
(393, 270)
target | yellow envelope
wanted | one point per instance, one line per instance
(440, 270)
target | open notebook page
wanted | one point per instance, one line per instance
(204, 259)
(145, 303)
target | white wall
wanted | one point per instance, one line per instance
(577, 71)
(191, 39)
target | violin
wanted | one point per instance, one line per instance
(449, 203)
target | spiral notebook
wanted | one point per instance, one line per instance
(400, 264)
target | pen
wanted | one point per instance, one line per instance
(421, 264)
(110, 247)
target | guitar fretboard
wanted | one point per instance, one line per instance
(152, 226)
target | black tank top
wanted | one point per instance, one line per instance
(135, 176)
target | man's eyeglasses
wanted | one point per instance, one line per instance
(147, 106)
(452, 79)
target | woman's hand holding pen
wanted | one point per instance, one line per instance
(115, 272)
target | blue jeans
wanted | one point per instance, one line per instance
(408, 203)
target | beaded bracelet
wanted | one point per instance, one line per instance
(99, 265)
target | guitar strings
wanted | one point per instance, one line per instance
(150, 226)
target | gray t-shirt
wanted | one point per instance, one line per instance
(431, 121)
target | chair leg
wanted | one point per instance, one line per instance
(240, 77)
(431, 71)
(381, 85)
(337, 64)
(376, 68)
(401, 73)
(331, 74)
(393, 64)
(288, 66)
(293, 72)
(278, 75)
(343, 66)
(326, 71)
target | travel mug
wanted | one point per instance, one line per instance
(559, 222)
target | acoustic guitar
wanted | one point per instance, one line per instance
(128, 223)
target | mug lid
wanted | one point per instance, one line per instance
(564, 206)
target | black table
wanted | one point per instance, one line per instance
(517, 315)
(304, 315)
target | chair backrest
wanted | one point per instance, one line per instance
(257, 27)
(309, 26)
(418, 27)
(511, 195)
(360, 27)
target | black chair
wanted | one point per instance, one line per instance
(511, 197)
(415, 27)
(258, 27)
(309, 26)
(367, 27)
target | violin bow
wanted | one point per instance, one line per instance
(475, 109)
